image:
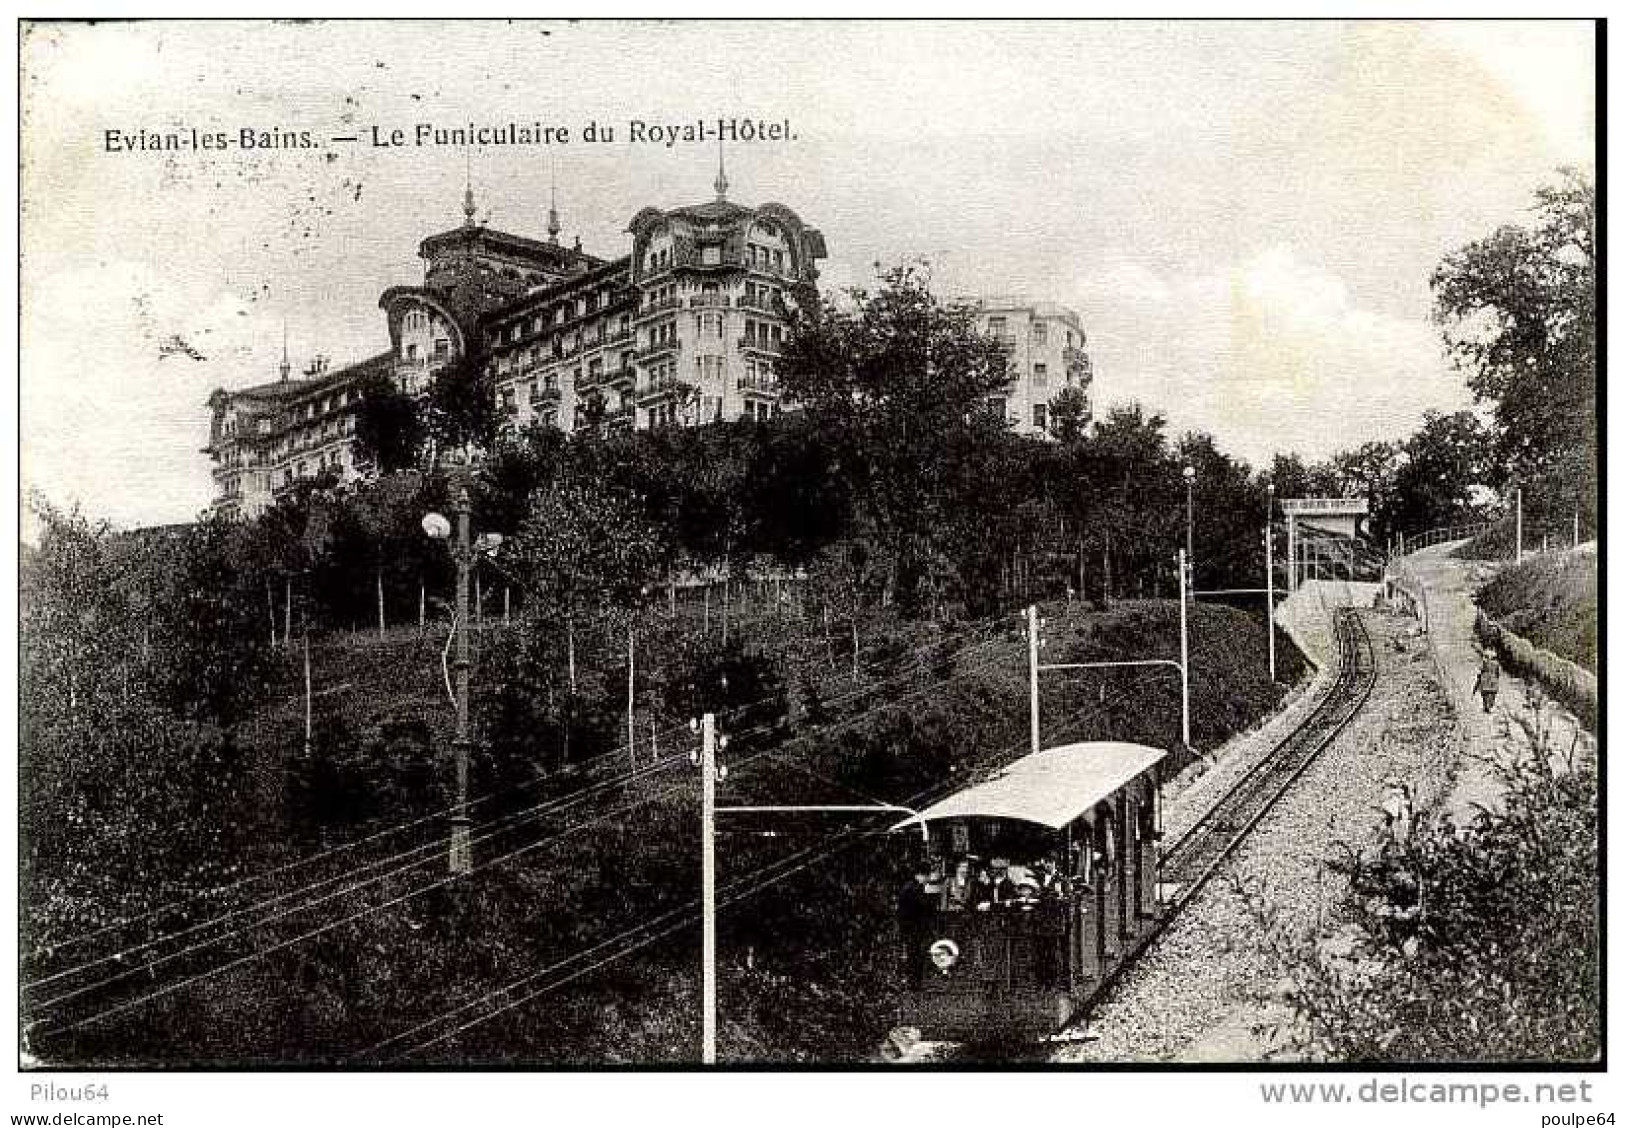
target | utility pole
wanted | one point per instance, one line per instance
(307, 691)
(708, 888)
(1269, 592)
(380, 604)
(1184, 659)
(1517, 552)
(461, 851)
(1576, 528)
(1292, 552)
(1190, 514)
(1032, 672)
(631, 710)
(1269, 573)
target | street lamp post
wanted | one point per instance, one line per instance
(461, 853)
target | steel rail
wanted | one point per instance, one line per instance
(1211, 840)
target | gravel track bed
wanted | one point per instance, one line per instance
(1200, 992)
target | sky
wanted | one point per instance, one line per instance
(1244, 215)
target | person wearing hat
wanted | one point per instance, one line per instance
(1488, 683)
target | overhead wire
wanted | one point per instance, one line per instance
(170, 957)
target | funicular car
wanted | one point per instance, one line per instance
(1032, 888)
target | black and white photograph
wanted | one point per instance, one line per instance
(912, 547)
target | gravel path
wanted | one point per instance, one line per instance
(1488, 739)
(1204, 989)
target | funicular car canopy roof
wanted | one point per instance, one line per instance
(1050, 788)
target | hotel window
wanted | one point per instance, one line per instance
(442, 347)
(1040, 333)
(711, 255)
(1039, 416)
(1040, 375)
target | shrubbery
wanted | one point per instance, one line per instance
(1475, 943)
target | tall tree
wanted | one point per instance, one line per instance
(460, 410)
(1518, 312)
(389, 429)
(893, 378)
(1446, 474)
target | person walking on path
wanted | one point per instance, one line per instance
(1488, 683)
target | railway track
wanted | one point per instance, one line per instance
(1203, 848)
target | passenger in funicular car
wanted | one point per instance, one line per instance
(1012, 871)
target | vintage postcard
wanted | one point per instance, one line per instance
(561, 545)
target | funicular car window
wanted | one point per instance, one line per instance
(996, 864)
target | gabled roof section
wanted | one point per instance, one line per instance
(599, 274)
(286, 391)
(553, 255)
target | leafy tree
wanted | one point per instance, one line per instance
(1069, 414)
(892, 380)
(1138, 513)
(1448, 468)
(460, 409)
(585, 551)
(1518, 311)
(1229, 513)
(389, 428)
(1369, 471)
(1293, 477)
(210, 661)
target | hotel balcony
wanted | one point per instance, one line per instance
(661, 306)
(658, 349)
(761, 345)
(771, 305)
(762, 383)
(549, 394)
(623, 338)
(708, 301)
(652, 391)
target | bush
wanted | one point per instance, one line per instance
(1478, 943)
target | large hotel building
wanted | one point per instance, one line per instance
(683, 330)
